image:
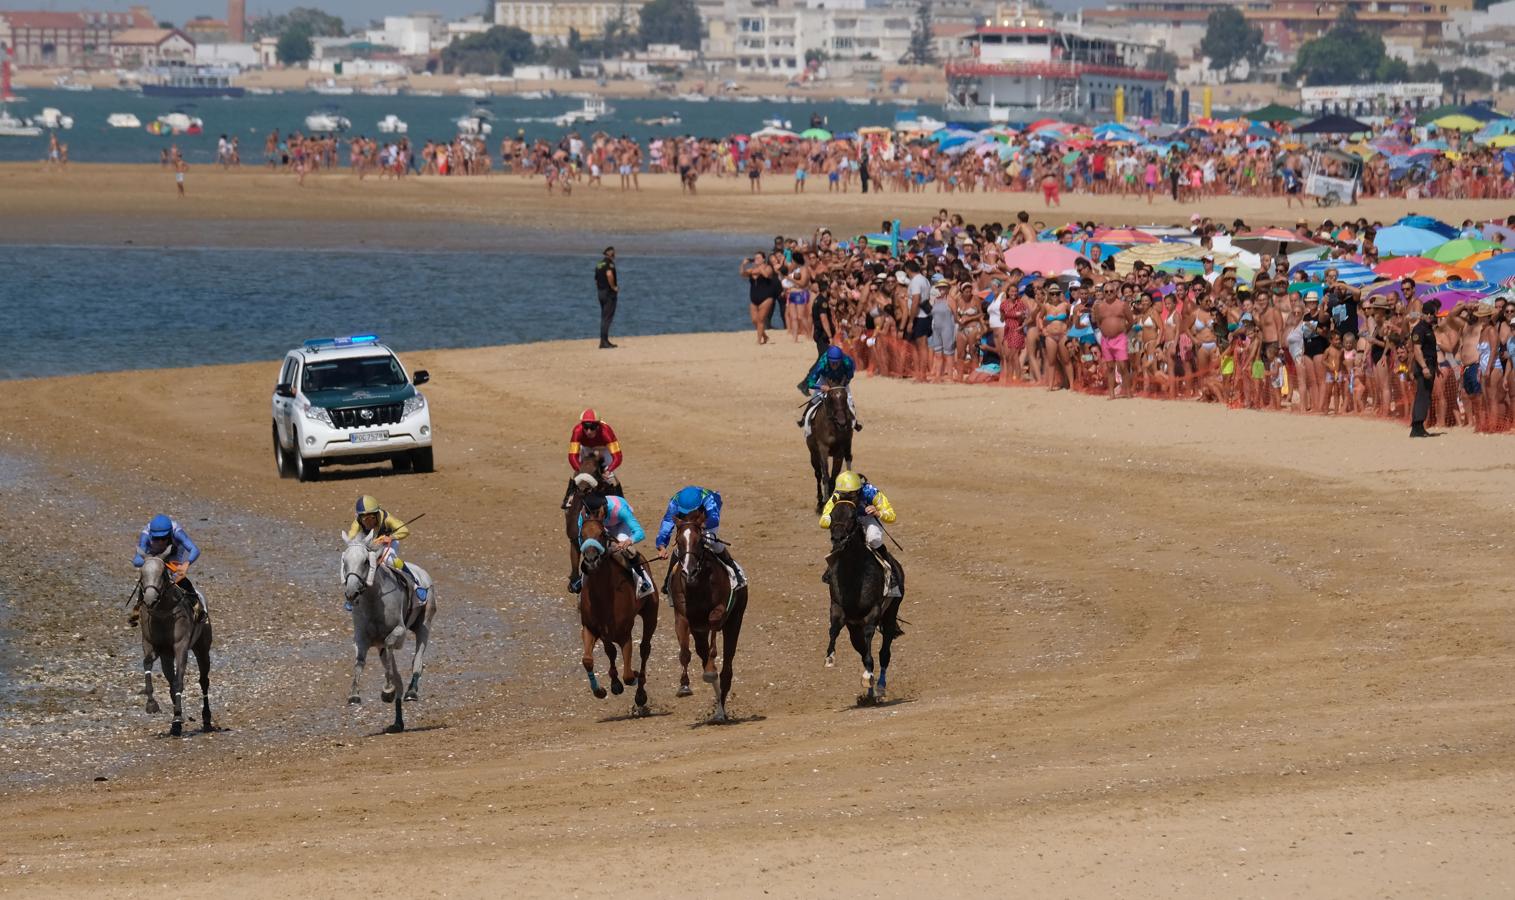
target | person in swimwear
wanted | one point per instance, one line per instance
(1112, 318)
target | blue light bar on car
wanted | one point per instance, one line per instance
(351, 341)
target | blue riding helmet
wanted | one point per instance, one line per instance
(688, 500)
(835, 354)
(160, 527)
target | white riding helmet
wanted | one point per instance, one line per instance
(585, 481)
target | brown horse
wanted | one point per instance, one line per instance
(705, 604)
(830, 440)
(170, 630)
(608, 607)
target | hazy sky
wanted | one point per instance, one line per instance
(352, 11)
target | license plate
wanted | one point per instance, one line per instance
(366, 437)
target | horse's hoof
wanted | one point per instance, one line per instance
(176, 729)
(207, 728)
(830, 661)
(387, 696)
(153, 708)
(411, 696)
(866, 700)
(640, 711)
(684, 691)
(599, 693)
(617, 688)
(630, 681)
(396, 728)
(709, 677)
(719, 718)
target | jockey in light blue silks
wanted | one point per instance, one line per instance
(624, 531)
(164, 535)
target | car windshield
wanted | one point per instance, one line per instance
(352, 374)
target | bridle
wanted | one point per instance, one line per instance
(691, 542)
(853, 527)
(589, 561)
(836, 411)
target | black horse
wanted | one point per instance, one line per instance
(857, 598)
(830, 442)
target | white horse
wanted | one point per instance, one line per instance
(380, 601)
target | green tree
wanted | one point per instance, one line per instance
(494, 52)
(1230, 41)
(1507, 81)
(1464, 78)
(672, 22)
(313, 22)
(1347, 54)
(294, 47)
(1425, 71)
(922, 52)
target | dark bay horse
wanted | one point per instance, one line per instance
(857, 598)
(608, 608)
(704, 604)
(170, 630)
(830, 442)
(573, 505)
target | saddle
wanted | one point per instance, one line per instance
(414, 578)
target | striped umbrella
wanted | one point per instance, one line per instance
(1354, 274)
(1152, 254)
(1123, 236)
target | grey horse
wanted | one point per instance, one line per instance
(379, 596)
(170, 631)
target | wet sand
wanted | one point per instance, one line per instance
(93, 204)
(1154, 649)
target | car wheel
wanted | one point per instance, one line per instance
(402, 463)
(282, 462)
(306, 469)
(421, 460)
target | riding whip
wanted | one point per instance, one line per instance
(889, 536)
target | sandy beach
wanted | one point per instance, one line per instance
(1155, 649)
(92, 203)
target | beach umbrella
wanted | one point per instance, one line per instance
(816, 134)
(1480, 256)
(1391, 288)
(1406, 240)
(1503, 141)
(773, 132)
(1441, 273)
(1451, 297)
(1304, 287)
(1087, 248)
(1401, 266)
(1354, 274)
(1498, 269)
(1484, 288)
(874, 129)
(1274, 112)
(1455, 251)
(1481, 111)
(1123, 236)
(1152, 254)
(1458, 122)
(1429, 223)
(1333, 124)
(1431, 115)
(1266, 240)
(1044, 257)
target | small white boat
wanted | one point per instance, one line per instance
(692, 98)
(474, 93)
(593, 110)
(10, 126)
(330, 88)
(857, 101)
(176, 123)
(778, 123)
(380, 90)
(744, 98)
(662, 121)
(905, 101)
(68, 84)
(123, 120)
(476, 123)
(262, 92)
(775, 98)
(53, 119)
(393, 124)
(326, 122)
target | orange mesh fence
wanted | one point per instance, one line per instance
(1382, 390)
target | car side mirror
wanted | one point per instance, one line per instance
(422, 376)
(284, 390)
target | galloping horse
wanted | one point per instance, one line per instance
(380, 618)
(830, 439)
(573, 505)
(705, 604)
(170, 630)
(608, 607)
(857, 598)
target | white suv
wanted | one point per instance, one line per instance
(348, 401)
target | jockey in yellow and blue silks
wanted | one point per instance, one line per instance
(873, 508)
(834, 369)
(370, 518)
(686, 501)
(624, 531)
(164, 535)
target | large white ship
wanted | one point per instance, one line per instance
(1015, 73)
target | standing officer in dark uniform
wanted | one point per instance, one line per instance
(609, 290)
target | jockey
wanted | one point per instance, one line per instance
(874, 509)
(687, 501)
(592, 438)
(164, 534)
(370, 517)
(835, 369)
(624, 530)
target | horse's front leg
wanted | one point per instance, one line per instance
(172, 675)
(836, 629)
(392, 682)
(649, 617)
(202, 662)
(353, 697)
(147, 675)
(594, 683)
(862, 642)
(681, 628)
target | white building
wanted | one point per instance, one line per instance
(551, 21)
(241, 55)
(775, 35)
(413, 35)
(147, 47)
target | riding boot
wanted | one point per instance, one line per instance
(896, 573)
(741, 577)
(568, 495)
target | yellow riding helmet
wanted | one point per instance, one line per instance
(848, 482)
(368, 505)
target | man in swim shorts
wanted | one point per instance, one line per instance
(1112, 318)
